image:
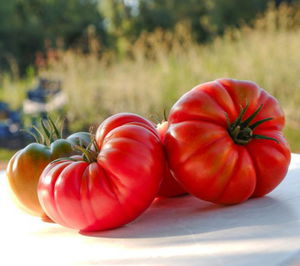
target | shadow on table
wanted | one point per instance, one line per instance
(261, 258)
(190, 216)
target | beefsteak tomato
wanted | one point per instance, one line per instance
(225, 142)
(25, 167)
(169, 186)
(113, 183)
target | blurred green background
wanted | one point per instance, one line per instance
(141, 55)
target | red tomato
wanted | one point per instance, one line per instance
(113, 185)
(225, 142)
(169, 186)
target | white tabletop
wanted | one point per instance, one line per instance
(179, 231)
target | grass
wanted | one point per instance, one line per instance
(293, 137)
(5, 155)
(13, 89)
(161, 66)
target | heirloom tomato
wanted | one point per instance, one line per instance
(112, 183)
(225, 142)
(25, 167)
(169, 186)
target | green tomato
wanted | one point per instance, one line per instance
(25, 167)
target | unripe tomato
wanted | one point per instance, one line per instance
(25, 167)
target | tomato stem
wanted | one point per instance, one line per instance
(47, 133)
(89, 153)
(251, 117)
(55, 129)
(260, 122)
(165, 115)
(242, 132)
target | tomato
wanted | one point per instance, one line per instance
(225, 142)
(114, 184)
(25, 167)
(169, 186)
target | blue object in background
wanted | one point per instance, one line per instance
(46, 97)
(10, 124)
(44, 90)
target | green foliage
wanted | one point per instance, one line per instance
(25, 25)
(231, 13)
(5, 155)
(31, 26)
(207, 18)
(165, 64)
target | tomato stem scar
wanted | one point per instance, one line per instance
(241, 131)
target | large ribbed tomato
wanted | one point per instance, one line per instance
(113, 184)
(169, 186)
(225, 142)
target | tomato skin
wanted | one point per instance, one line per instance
(169, 186)
(25, 167)
(204, 157)
(115, 189)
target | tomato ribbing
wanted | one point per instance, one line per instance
(112, 183)
(229, 161)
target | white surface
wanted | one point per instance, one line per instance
(180, 231)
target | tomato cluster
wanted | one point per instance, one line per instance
(222, 143)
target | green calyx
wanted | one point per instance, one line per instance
(241, 131)
(89, 153)
(46, 133)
